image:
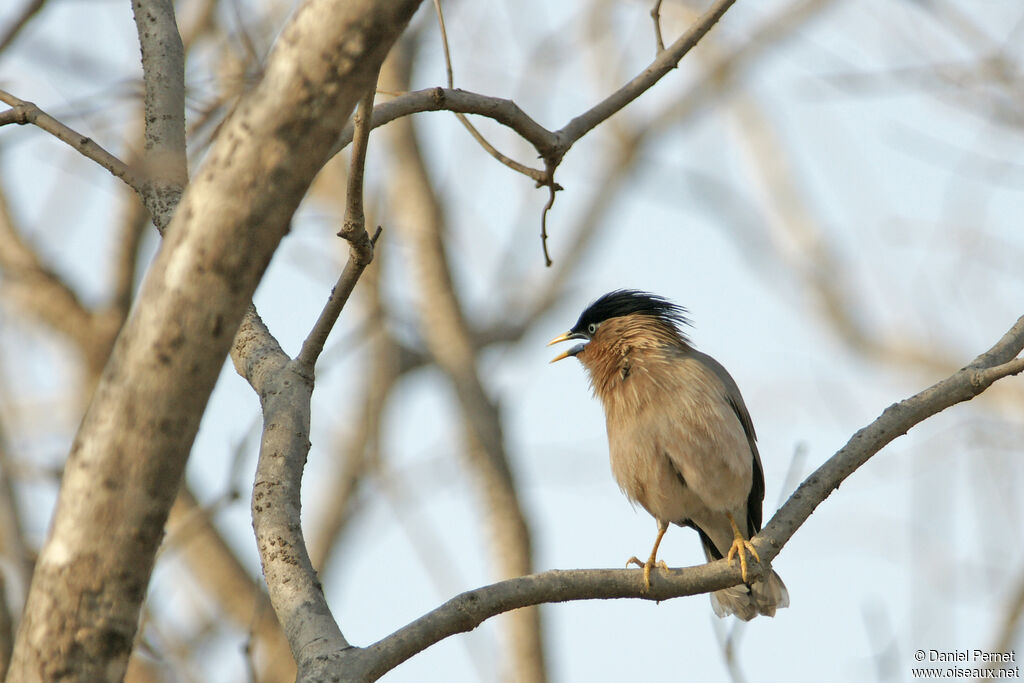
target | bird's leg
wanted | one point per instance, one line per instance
(651, 561)
(740, 546)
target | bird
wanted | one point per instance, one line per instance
(680, 440)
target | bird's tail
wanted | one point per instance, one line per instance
(762, 596)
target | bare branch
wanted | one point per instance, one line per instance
(552, 146)
(354, 231)
(659, 42)
(544, 224)
(666, 60)
(138, 431)
(23, 112)
(994, 364)
(163, 74)
(505, 112)
(354, 225)
(294, 588)
(468, 610)
(537, 176)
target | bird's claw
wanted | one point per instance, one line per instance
(741, 547)
(647, 568)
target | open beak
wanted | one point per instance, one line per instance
(566, 337)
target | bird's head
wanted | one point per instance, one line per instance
(649, 310)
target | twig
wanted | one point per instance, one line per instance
(354, 231)
(656, 16)
(540, 177)
(537, 175)
(544, 223)
(444, 44)
(505, 112)
(354, 224)
(23, 112)
(551, 145)
(666, 60)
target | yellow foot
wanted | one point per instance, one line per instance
(740, 546)
(647, 568)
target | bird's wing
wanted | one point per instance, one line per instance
(735, 399)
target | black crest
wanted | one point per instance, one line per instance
(632, 302)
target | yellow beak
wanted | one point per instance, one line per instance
(565, 354)
(560, 338)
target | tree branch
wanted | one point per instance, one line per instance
(994, 364)
(163, 74)
(468, 610)
(285, 388)
(666, 60)
(551, 145)
(505, 112)
(659, 42)
(126, 463)
(354, 231)
(23, 112)
(358, 454)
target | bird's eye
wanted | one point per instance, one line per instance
(592, 328)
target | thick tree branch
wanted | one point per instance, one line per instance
(125, 466)
(470, 609)
(226, 580)
(163, 74)
(285, 388)
(295, 591)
